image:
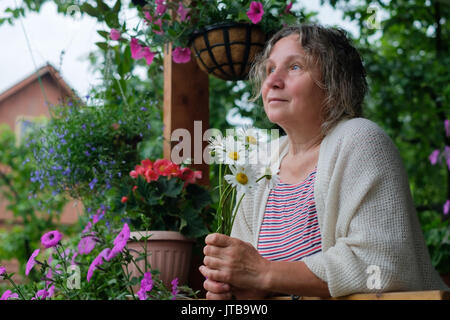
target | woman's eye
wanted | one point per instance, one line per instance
(270, 70)
(295, 67)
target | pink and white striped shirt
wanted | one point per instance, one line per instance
(290, 228)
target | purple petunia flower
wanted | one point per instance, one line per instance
(120, 242)
(447, 156)
(8, 294)
(146, 286)
(97, 262)
(86, 245)
(446, 207)
(31, 262)
(2, 271)
(51, 239)
(434, 156)
(174, 284)
(41, 295)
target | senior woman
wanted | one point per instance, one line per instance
(342, 219)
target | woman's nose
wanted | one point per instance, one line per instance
(275, 79)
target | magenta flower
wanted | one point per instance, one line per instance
(255, 12)
(136, 50)
(87, 228)
(159, 24)
(119, 242)
(31, 262)
(434, 156)
(182, 12)
(97, 262)
(51, 291)
(174, 284)
(447, 127)
(41, 295)
(8, 294)
(114, 34)
(2, 271)
(51, 239)
(446, 207)
(181, 55)
(149, 55)
(86, 245)
(148, 17)
(288, 8)
(160, 7)
(146, 286)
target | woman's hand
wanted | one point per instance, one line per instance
(233, 267)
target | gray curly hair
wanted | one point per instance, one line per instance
(343, 76)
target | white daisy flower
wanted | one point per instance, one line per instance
(251, 137)
(243, 178)
(234, 152)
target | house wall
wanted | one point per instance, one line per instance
(29, 102)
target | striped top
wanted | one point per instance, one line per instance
(290, 228)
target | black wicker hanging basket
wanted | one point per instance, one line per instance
(227, 50)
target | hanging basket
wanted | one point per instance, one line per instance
(227, 50)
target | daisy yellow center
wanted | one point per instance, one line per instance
(242, 178)
(251, 139)
(233, 155)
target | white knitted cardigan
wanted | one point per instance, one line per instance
(367, 218)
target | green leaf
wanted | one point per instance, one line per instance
(102, 45)
(103, 34)
(90, 10)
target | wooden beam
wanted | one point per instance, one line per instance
(186, 99)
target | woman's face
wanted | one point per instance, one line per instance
(289, 94)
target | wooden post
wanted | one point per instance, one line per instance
(186, 99)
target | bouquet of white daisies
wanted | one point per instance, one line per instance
(244, 160)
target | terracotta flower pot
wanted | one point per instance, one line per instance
(227, 50)
(168, 251)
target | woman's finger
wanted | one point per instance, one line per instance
(216, 287)
(221, 296)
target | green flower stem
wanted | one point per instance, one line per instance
(7, 277)
(235, 210)
(223, 197)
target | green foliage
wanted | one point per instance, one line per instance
(34, 210)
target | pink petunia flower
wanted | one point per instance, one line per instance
(114, 34)
(8, 294)
(119, 242)
(181, 55)
(288, 8)
(159, 24)
(2, 271)
(446, 207)
(161, 7)
(51, 239)
(447, 127)
(149, 55)
(148, 17)
(86, 245)
(137, 51)
(182, 12)
(97, 262)
(256, 12)
(41, 295)
(174, 284)
(87, 228)
(31, 262)
(146, 286)
(434, 157)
